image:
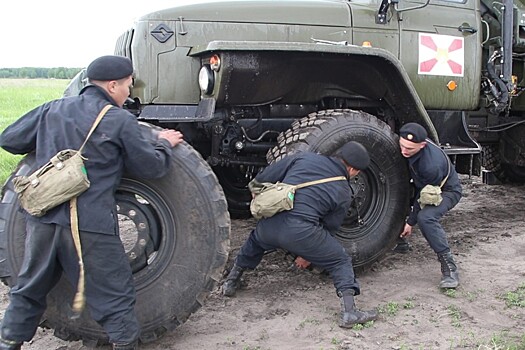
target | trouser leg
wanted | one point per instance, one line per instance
(428, 220)
(109, 288)
(321, 249)
(249, 257)
(251, 252)
(38, 274)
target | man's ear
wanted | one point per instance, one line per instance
(112, 86)
(423, 144)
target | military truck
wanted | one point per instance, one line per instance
(249, 82)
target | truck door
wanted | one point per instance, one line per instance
(440, 47)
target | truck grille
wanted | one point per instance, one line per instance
(123, 45)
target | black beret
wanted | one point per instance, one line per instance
(107, 68)
(355, 155)
(413, 132)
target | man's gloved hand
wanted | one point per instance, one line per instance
(301, 263)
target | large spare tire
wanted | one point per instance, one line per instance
(176, 233)
(378, 214)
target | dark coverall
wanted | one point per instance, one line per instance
(430, 166)
(307, 229)
(116, 144)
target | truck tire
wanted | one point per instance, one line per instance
(176, 234)
(506, 173)
(373, 224)
(235, 186)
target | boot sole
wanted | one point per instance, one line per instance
(350, 325)
(449, 285)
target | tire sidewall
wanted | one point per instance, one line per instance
(387, 174)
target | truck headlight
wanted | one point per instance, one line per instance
(206, 79)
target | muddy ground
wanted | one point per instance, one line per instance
(281, 307)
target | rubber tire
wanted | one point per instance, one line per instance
(235, 186)
(190, 208)
(506, 173)
(383, 187)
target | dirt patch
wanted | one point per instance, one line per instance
(280, 307)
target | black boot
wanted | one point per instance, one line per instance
(350, 315)
(9, 345)
(449, 270)
(402, 246)
(233, 281)
(129, 346)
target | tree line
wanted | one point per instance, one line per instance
(39, 73)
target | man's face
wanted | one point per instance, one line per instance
(121, 89)
(351, 171)
(409, 148)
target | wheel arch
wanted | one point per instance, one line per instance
(309, 72)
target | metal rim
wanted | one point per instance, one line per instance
(155, 230)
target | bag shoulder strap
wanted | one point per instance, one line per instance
(448, 162)
(315, 182)
(94, 126)
(79, 300)
(446, 177)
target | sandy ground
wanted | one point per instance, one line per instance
(280, 307)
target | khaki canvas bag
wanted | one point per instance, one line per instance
(431, 194)
(272, 198)
(62, 178)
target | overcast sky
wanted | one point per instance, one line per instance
(67, 33)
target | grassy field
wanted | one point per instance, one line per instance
(17, 97)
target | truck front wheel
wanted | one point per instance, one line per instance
(176, 234)
(378, 214)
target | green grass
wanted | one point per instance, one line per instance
(390, 309)
(503, 341)
(515, 298)
(361, 326)
(17, 97)
(455, 314)
(308, 321)
(451, 293)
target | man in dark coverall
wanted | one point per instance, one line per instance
(116, 144)
(307, 230)
(429, 165)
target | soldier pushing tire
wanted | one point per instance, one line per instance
(176, 234)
